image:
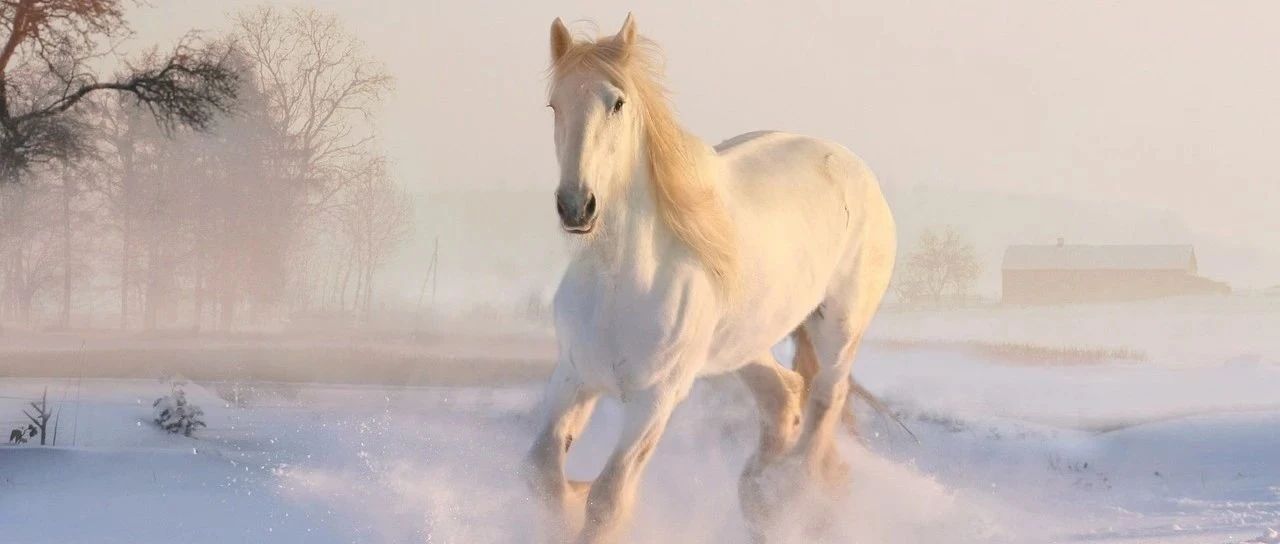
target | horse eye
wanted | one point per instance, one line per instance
(617, 106)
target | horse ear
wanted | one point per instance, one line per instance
(627, 36)
(561, 39)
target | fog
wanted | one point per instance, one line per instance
(1158, 116)
(355, 289)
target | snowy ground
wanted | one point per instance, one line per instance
(1169, 449)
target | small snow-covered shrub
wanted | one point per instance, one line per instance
(173, 413)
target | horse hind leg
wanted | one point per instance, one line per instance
(805, 363)
(835, 334)
(828, 394)
(779, 395)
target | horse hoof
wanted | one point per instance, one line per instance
(765, 485)
(579, 489)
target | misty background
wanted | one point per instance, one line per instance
(1100, 123)
(347, 281)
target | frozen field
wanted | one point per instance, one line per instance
(1181, 447)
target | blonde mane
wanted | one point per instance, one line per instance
(688, 201)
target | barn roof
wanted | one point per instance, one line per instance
(1084, 257)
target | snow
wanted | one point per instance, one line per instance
(1271, 536)
(1173, 449)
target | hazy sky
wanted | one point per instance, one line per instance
(1168, 105)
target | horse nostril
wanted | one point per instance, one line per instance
(560, 207)
(591, 206)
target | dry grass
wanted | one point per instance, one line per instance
(1020, 353)
(466, 362)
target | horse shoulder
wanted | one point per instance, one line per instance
(671, 339)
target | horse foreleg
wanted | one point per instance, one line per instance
(612, 497)
(566, 409)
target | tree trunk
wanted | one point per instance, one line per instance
(126, 256)
(24, 307)
(66, 251)
(226, 310)
(22, 293)
(360, 278)
(368, 294)
(198, 294)
(6, 296)
(151, 295)
(341, 287)
(368, 281)
(126, 224)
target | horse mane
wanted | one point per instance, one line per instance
(689, 201)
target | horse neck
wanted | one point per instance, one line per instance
(634, 239)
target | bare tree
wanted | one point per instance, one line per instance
(74, 215)
(120, 144)
(942, 262)
(146, 202)
(46, 48)
(209, 218)
(244, 227)
(41, 418)
(198, 213)
(377, 216)
(320, 87)
(67, 196)
(29, 243)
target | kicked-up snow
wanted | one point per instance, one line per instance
(1114, 452)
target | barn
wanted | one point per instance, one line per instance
(1064, 273)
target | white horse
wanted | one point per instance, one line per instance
(693, 261)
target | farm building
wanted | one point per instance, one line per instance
(1062, 273)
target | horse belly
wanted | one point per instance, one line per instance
(762, 324)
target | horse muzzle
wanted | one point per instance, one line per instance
(577, 211)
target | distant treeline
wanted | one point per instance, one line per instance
(188, 205)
